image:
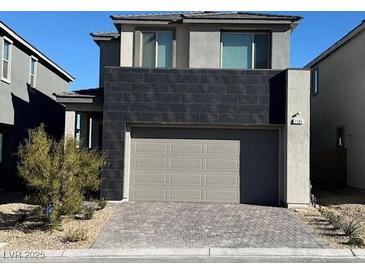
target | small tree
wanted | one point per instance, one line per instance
(58, 172)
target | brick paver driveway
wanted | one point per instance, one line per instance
(189, 225)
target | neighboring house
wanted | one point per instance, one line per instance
(27, 81)
(198, 107)
(338, 112)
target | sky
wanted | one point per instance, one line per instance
(64, 37)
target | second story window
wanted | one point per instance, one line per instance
(33, 72)
(6, 60)
(157, 49)
(315, 81)
(245, 50)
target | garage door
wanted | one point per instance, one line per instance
(203, 165)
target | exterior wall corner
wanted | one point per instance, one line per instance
(296, 151)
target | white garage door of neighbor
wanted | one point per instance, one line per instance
(190, 170)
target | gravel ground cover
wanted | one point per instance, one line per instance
(20, 230)
(346, 202)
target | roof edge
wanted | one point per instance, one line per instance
(35, 51)
(337, 45)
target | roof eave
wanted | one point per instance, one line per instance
(353, 33)
(237, 21)
(143, 21)
(36, 52)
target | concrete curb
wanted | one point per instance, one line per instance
(359, 253)
(121, 252)
(206, 252)
(287, 252)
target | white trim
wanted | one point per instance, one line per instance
(32, 58)
(34, 50)
(127, 165)
(7, 39)
(9, 60)
(253, 50)
(90, 133)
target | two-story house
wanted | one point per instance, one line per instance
(198, 107)
(338, 111)
(28, 79)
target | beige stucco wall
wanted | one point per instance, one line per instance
(70, 123)
(126, 45)
(341, 102)
(205, 44)
(199, 45)
(296, 144)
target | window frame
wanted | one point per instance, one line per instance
(314, 88)
(32, 58)
(9, 61)
(253, 50)
(156, 46)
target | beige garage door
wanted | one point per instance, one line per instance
(184, 170)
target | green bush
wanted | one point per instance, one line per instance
(58, 172)
(101, 203)
(88, 212)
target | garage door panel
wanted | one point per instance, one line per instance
(190, 195)
(187, 148)
(217, 180)
(149, 194)
(186, 164)
(222, 196)
(186, 179)
(222, 164)
(223, 149)
(151, 178)
(147, 147)
(150, 163)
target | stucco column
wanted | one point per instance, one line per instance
(296, 157)
(70, 119)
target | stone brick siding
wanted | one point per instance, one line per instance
(190, 96)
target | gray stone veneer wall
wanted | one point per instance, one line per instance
(190, 96)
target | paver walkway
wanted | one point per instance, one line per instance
(194, 225)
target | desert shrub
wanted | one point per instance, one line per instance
(352, 228)
(334, 219)
(356, 241)
(101, 203)
(88, 212)
(58, 172)
(75, 235)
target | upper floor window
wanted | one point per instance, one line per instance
(245, 50)
(6, 60)
(157, 49)
(315, 81)
(33, 72)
